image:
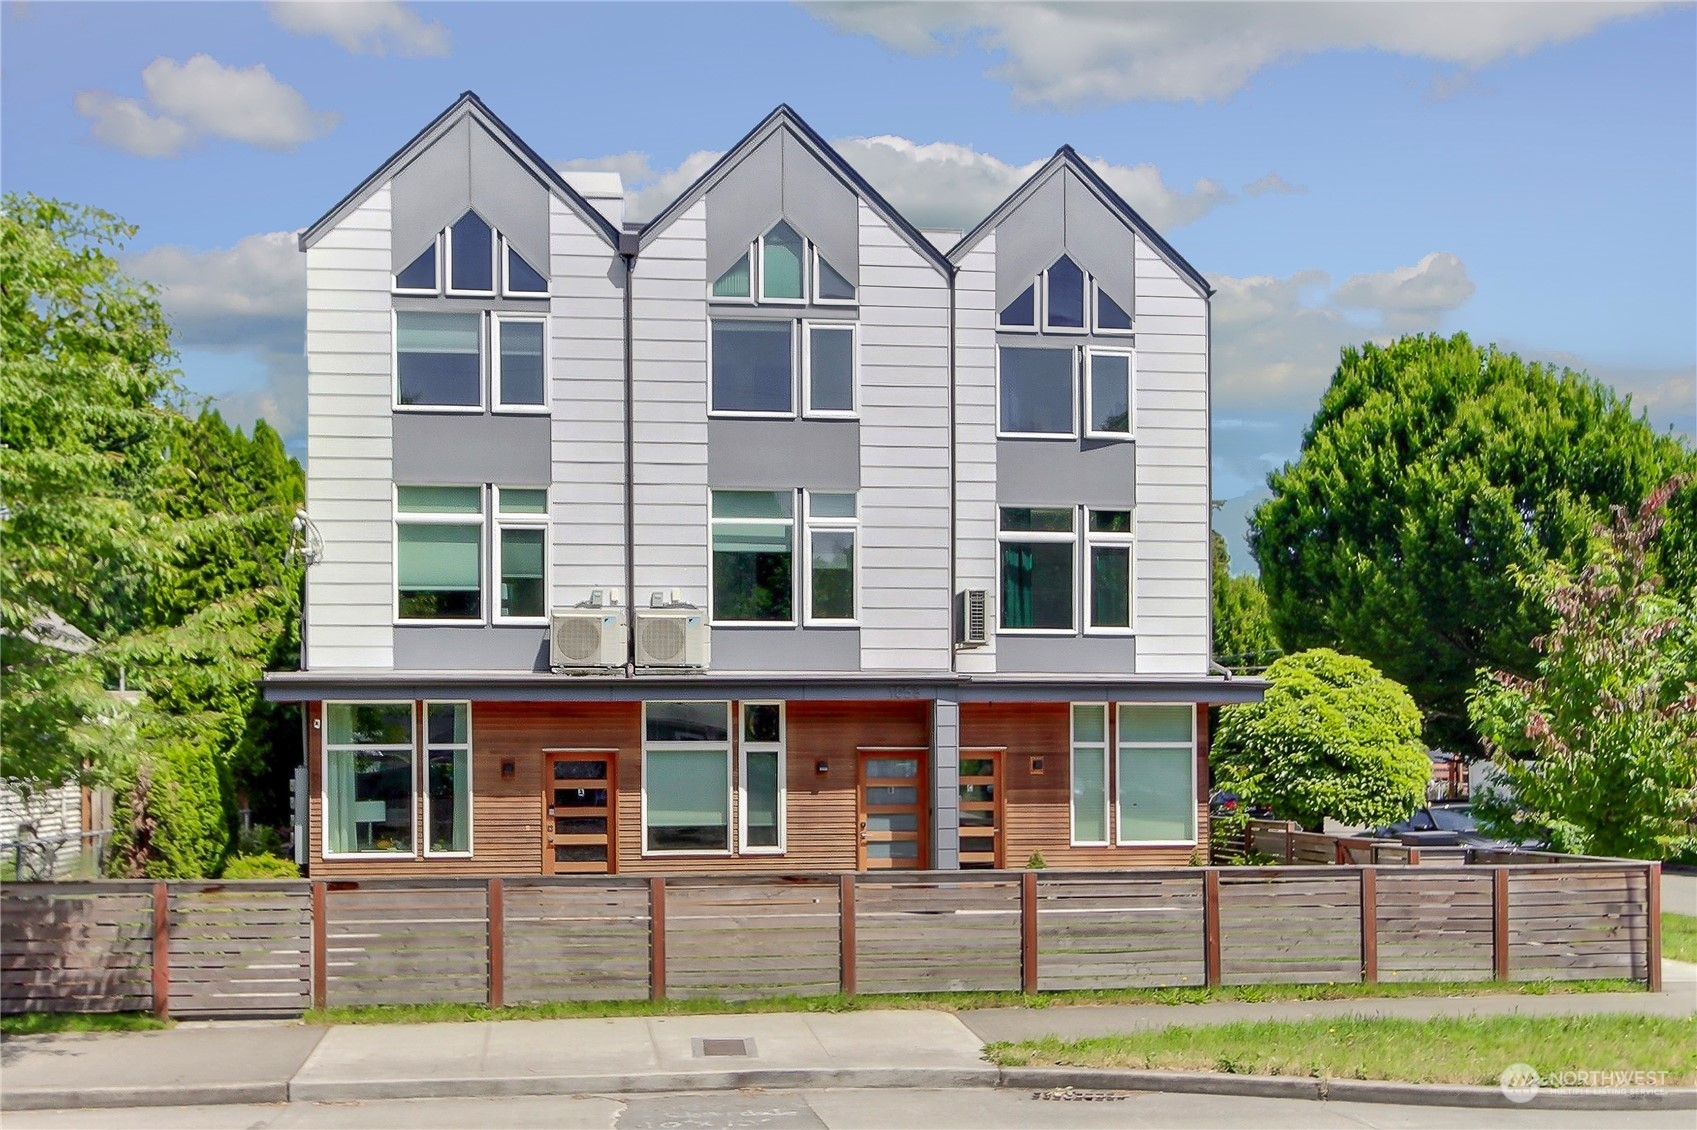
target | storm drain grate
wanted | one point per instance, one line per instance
(717, 1046)
(1072, 1095)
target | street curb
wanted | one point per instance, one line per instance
(202, 1094)
(780, 1078)
(1340, 1090)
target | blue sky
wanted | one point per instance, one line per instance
(1524, 172)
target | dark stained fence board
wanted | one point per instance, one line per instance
(922, 935)
(1434, 925)
(394, 945)
(236, 951)
(1576, 927)
(1292, 929)
(772, 938)
(575, 940)
(76, 947)
(1130, 933)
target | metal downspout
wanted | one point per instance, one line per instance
(630, 465)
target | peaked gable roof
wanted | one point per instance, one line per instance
(781, 118)
(468, 105)
(1067, 157)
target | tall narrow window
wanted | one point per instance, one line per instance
(782, 254)
(686, 777)
(1108, 539)
(1111, 317)
(1021, 313)
(737, 281)
(1037, 390)
(520, 365)
(522, 527)
(1063, 308)
(832, 526)
(830, 369)
(419, 276)
(438, 359)
(471, 256)
(762, 794)
(1090, 775)
(522, 278)
(447, 778)
(753, 367)
(1037, 568)
(368, 777)
(1109, 388)
(753, 551)
(1157, 774)
(439, 553)
(829, 285)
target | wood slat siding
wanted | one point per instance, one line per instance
(407, 943)
(583, 940)
(85, 947)
(1434, 925)
(241, 948)
(975, 438)
(1289, 927)
(350, 440)
(764, 938)
(1038, 806)
(1109, 933)
(1577, 926)
(917, 935)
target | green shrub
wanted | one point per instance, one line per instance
(260, 867)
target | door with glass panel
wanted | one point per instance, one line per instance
(578, 834)
(980, 809)
(892, 809)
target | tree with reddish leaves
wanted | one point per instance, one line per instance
(1598, 753)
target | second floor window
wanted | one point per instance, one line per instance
(1037, 568)
(439, 553)
(753, 367)
(438, 359)
(753, 536)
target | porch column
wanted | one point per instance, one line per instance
(945, 777)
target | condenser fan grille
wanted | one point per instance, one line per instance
(578, 639)
(663, 641)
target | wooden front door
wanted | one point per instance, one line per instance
(981, 836)
(579, 835)
(892, 809)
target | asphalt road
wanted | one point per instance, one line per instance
(978, 1109)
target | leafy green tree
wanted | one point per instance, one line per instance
(1432, 470)
(1598, 752)
(1243, 629)
(1333, 737)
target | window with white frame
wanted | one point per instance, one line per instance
(1065, 299)
(439, 553)
(833, 524)
(1111, 317)
(828, 365)
(1037, 390)
(783, 260)
(520, 279)
(1064, 289)
(471, 249)
(784, 268)
(753, 535)
(471, 256)
(753, 368)
(1021, 313)
(438, 359)
(1108, 561)
(1156, 773)
(447, 778)
(521, 372)
(761, 792)
(1090, 774)
(829, 285)
(419, 276)
(1037, 568)
(521, 524)
(1107, 391)
(368, 778)
(686, 778)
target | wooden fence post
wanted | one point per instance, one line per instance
(1028, 932)
(1290, 842)
(1653, 937)
(1211, 927)
(845, 934)
(320, 932)
(1370, 925)
(161, 950)
(1499, 923)
(497, 945)
(657, 939)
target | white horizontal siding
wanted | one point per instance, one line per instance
(975, 438)
(350, 441)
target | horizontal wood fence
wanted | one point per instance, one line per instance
(276, 948)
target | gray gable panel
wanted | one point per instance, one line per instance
(822, 208)
(1031, 237)
(429, 193)
(1099, 241)
(509, 197)
(744, 205)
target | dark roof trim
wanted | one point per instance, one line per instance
(1068, 156)
(467, 104)
(784, 116)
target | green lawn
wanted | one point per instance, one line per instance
(952, 1002)
(1679, 937)
(1447, 1050)
(40, 1023)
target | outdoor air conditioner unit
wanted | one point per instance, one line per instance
(587, 637)
(672, 636)
(974, 619)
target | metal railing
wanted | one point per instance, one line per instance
(74, 855)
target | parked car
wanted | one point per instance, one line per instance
(1442, 825)
(1224, 803)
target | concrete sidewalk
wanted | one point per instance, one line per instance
(272, 1062)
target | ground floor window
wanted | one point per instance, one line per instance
(686, 777)
(1157, 773)
(1090, 774)
(447, 788)
(368, 777)
(762, 777)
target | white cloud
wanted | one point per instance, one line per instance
(647, 189)
(1070, 55)
(1275, 184)
(364, 27)
(1410, 296)
(201, 98)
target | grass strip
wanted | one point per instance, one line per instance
(1679, 937)
(1468, 1050)
(948, 1002)
(47, 1023)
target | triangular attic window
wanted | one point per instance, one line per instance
(1022, 311)
(1064, 309)
(522, 278)
(471, 255)
(734, 282)
(1109, 316)
(833, 287)
(420, 274)
(782, 251)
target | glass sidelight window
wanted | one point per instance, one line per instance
(1157, 774)
(1090, 775)
(447, 778)
(762, 790)
(1108, 540)
(368, 778)
(686, 777)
